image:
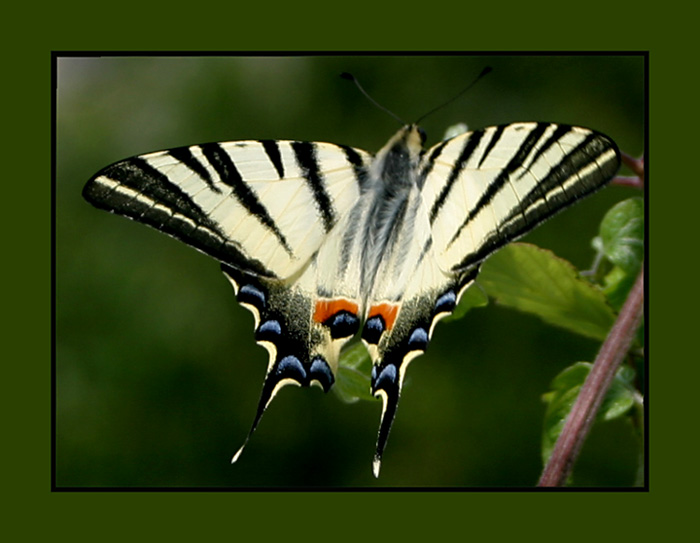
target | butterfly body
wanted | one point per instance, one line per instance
(324, 242)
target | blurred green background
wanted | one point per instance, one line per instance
(157, 372)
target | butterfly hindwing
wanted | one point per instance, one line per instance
(301, 349)
(395, 334)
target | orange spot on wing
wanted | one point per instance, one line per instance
(325, 309)
(387, 311)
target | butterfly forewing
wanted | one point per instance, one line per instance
(261, 206)
(488, 187)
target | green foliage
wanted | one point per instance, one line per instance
(474, 296)
(564, 390)
(352, 382)
(620, 244)
(622, 235)
(536, 281)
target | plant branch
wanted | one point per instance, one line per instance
(634, 164)
(583, 413)
(628, 181)
(637, 167)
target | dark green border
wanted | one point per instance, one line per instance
(26, 460)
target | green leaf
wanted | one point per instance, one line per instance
(536, 281)
(622, 235)
(617, 285)
(474, 296)
(356, 357)
(565, 388)
(352, 379)
(621, 242)
(621, 395)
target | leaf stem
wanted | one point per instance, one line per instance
(582, 415)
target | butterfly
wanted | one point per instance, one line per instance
(323, 242)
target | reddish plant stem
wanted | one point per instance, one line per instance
(628, 181)
(583, 413)
(634, 164)
(637, 167)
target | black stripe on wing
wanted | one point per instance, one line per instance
(559, 132)
(358, 165)
(544, 199)
(467, 151)
(429, 163)
(495, 138)
(184, 155)
(135, 189)
(272, 150)
(308, 163)
(504, 176)
(229, 175)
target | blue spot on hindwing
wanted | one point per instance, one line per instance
(320, 371)
(269, 331)
(374, 327)
(250, 294)
(290, 367)
(343, 324)
(386, 378)
(446, 303)
(418, 340)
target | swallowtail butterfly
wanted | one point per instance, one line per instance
(323, 241)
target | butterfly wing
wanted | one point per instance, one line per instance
(475, 193)
(263, 209)
(489, 187)
(260, 206)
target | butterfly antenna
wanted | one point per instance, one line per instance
(460, 93)
(350, 77)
